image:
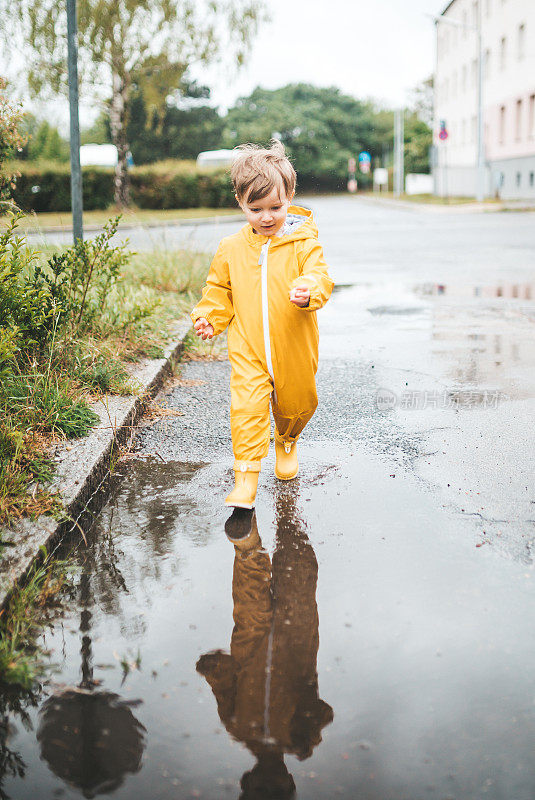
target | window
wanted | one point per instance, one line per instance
(532, 179)
(474, 72)
(502, 125)
(475, 13)
(521, 42)
(518, 120)
(503, 52)
(474, 129)
(487, 64)
(518, 178)
(531, 117)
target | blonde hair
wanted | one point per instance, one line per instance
(257, 170)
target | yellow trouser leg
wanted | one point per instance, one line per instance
(250, 390)
(288, 429)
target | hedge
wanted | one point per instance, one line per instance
(167, 184)
(46, 187)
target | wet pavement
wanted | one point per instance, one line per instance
(371, 636)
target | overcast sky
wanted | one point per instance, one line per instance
(369, 48)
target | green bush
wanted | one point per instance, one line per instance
(180, 185)
(46, 186)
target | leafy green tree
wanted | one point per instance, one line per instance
(320, 127)
(47, 144)
(418, 140)
(151, 41)
(181, 130)
(99, 132)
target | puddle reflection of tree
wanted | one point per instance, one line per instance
(90, 738)
(14, 705)
(267, 687)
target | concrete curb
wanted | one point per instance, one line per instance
(83, 467)
(129, 226)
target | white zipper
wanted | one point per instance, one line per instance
(263, 262)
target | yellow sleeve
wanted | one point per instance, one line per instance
(313, 273)
(215, 304)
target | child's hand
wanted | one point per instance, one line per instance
(203, 328)
(300, 295)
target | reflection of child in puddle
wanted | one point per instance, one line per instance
(267, 687)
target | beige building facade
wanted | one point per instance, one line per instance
(508, 98)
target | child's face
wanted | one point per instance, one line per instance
(268, 214)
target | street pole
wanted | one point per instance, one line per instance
(399, 135)
(480, 144)
(76, 171)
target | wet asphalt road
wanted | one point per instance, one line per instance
(382, 639)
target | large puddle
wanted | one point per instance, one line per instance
(354, 644)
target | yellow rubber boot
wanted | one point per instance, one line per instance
(246, 481)
(286, 463)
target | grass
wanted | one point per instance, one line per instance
(196, 349)
(31, 605)
(45, 393)
(431, 198)
(36, 221)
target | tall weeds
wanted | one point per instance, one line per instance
(70, 321)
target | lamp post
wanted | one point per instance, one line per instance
(76, 171)
(399, 141)
(480, 182)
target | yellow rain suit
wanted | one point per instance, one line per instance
(272, 343)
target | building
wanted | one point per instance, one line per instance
(508, 98)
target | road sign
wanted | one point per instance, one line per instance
(443, 132)
(364, 161)
(351, 165)
(352, 185)
(380, 176)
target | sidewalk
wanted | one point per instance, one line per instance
(83, 467)
(450, 208)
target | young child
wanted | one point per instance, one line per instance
(266, 283)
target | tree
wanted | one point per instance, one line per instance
(423, 99)
(11, 141)
(183, 128)
(121, 42)
(47, 144)
(99, 132)
(418, 140)
(320, 127)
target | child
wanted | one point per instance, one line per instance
(266, 282)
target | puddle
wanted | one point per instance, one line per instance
(508, 291)
(331, 653)
(379, 310)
